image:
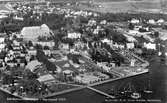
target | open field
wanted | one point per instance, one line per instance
(114, 6)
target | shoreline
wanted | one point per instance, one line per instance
(75, 89)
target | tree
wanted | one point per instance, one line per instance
(8, 79)
(41, 56)
(131, 26)
(46, 47)
(29, 75)
(156, 34)
(30, 44)
(38, 47)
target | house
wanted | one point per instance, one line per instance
(6, 9)
(137, 27)
(130, 38)
(16, 43)
(104, 67)
(74, 35)
(109, 42)
(16, 49)
(2, 46)
(47, 52)
(79, 45)
(135, 21)
(133, 32)
(2, 39)
(18, 18)
(160, 21)
(21, 61)
(103, 22)
(91, 22)
(150, 46)
(32, 51)
(151, 21)
(3, 16)
(130, 45)
(33, 65)
(45, 43)
(132, 62)
(32, 33)
(68, 73)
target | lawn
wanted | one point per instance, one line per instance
(60, 87)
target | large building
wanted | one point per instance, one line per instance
(32, 33)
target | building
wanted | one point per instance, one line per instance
(32, 51)
(160, 21)
(74, 35)
(46, 78)
(150, 46)
(45, 43)
(32, 65)
(151, 21)
(130, 45)
(32, 33)
(135, 21)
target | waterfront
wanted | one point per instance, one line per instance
(158, 85)
(32, 69)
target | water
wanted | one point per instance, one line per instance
(158, 81)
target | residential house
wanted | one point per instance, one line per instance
(150, 46)
(130, 45)
(2, 46)
(74, 35)
(151, 21)
(103, 22)
(91, 22)
(47, 52)
(160, 21)
(32, 51)
(135, 21)
(33, 65)
(2, 40)
(50, 44)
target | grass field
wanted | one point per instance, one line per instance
(153, 6)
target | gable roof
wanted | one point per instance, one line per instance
(33, 64)
(4, 8)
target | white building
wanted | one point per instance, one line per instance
(130, 45)
(33, 65)
(2, 39)
(45, 43)
(150, 46)
(32, 33)
(135, 21)
(151, 21)
(160, 21)
(32, 52)
(74, 35)
(132, 62)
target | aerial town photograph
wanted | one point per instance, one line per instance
(83, 51)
